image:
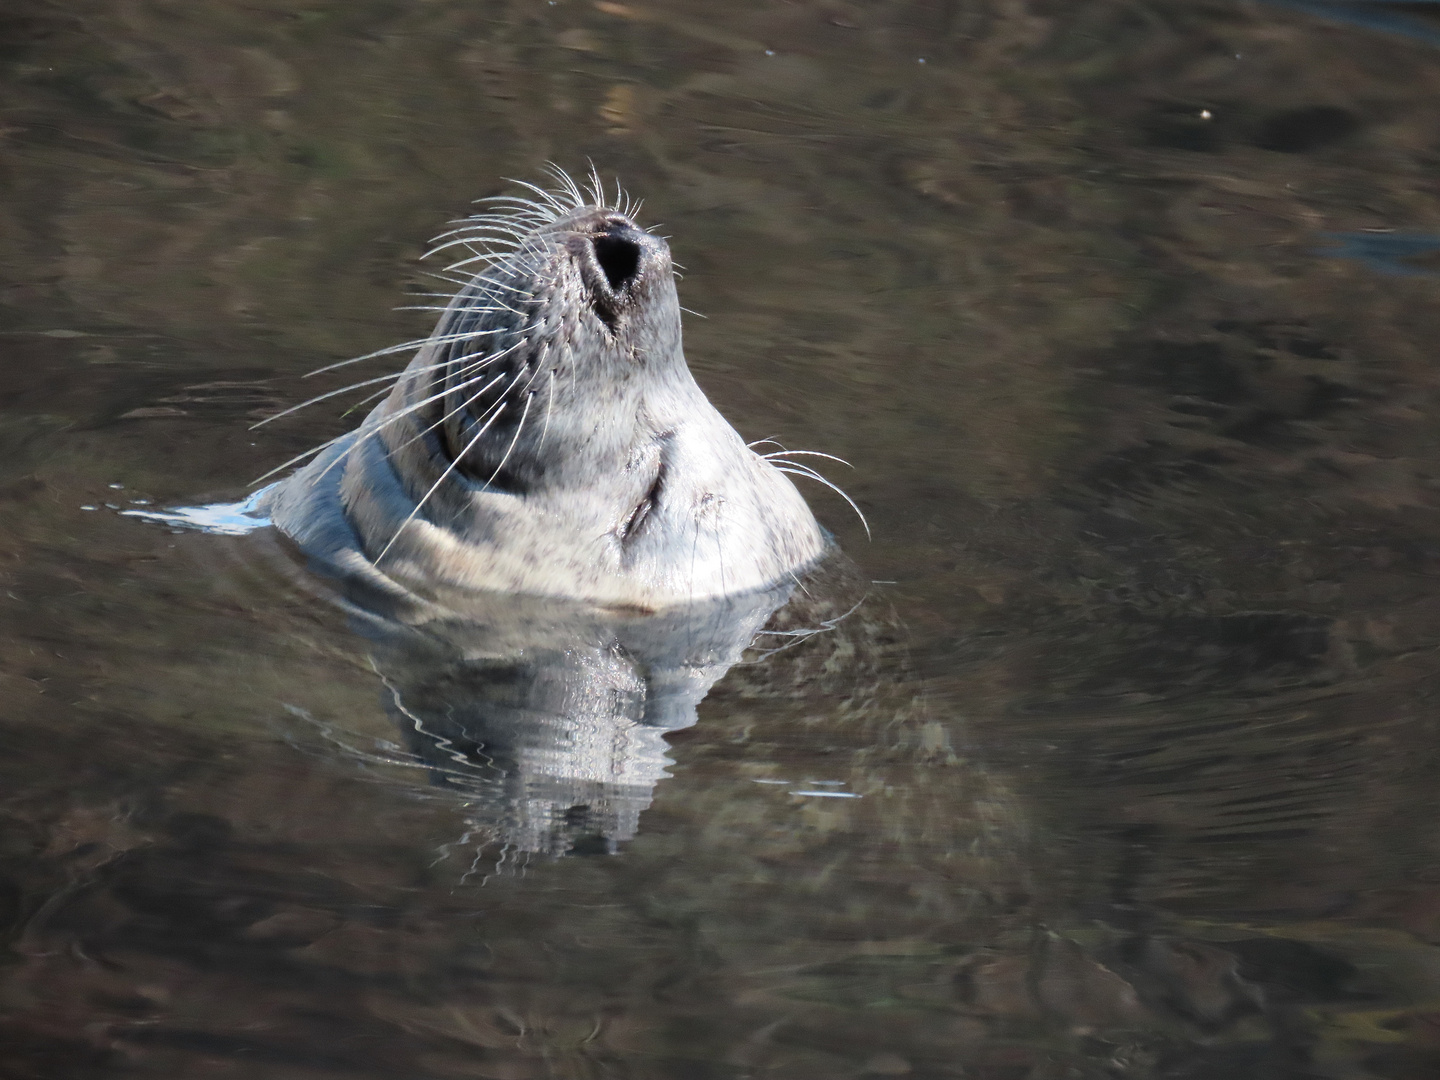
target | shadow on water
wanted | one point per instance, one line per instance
(1123, 767)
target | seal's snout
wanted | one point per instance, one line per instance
(614, 259)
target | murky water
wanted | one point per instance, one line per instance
(1125, 313)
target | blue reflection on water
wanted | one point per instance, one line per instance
(1370, 14)
(1385, 252)
(220, 519)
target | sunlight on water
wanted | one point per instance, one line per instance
(220, 519)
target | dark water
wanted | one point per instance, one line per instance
(1126, 314)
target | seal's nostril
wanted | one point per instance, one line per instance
(619, 258)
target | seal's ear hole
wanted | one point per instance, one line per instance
(619, 259)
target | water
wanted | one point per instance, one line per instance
(1125, 314)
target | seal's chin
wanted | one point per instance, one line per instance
(549, 439)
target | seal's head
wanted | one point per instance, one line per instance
(549, 439)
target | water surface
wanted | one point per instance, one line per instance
(1125, 313)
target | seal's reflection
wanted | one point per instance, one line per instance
(546, 718)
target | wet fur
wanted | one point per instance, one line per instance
(548, 438)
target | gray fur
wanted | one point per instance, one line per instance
(548, 439)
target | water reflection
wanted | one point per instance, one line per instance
(1394, 253)
(547, 720)
(218, 519)
(1387, 16)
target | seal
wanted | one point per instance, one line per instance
(548, 437)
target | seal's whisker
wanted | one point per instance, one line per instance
(504, 237)
(541, 360)
(479, 257)
(363, 434)
(471, 373)
(458, 408)
(621, 203)
(488, 258)
(435, 486)
(597, 189)
(548, 197)
(486, 286)
(564, 179)
(391, 377)
(446, 307)
(452, 298)
(502, 246)
(506, 218)
(526, 206)
(506, 307)
(485, 247)
(482, 288)
(548, 205)
(501, 229)
(486, 289)
(299, 458)
(801, 470)
(365, 400)
(780, 454)
(497, 249)
(466, 308)
(460, 282)
(483, 363)
(799, 636)
(444, 295)
(568, 182)
(369, 430)
(511, 448)
(407, 346)
(569, 186)
(490, 234)
(478, 226)
(549, 401)
(697, 314)
(516, 208)
(504, 242)
(510, 217)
